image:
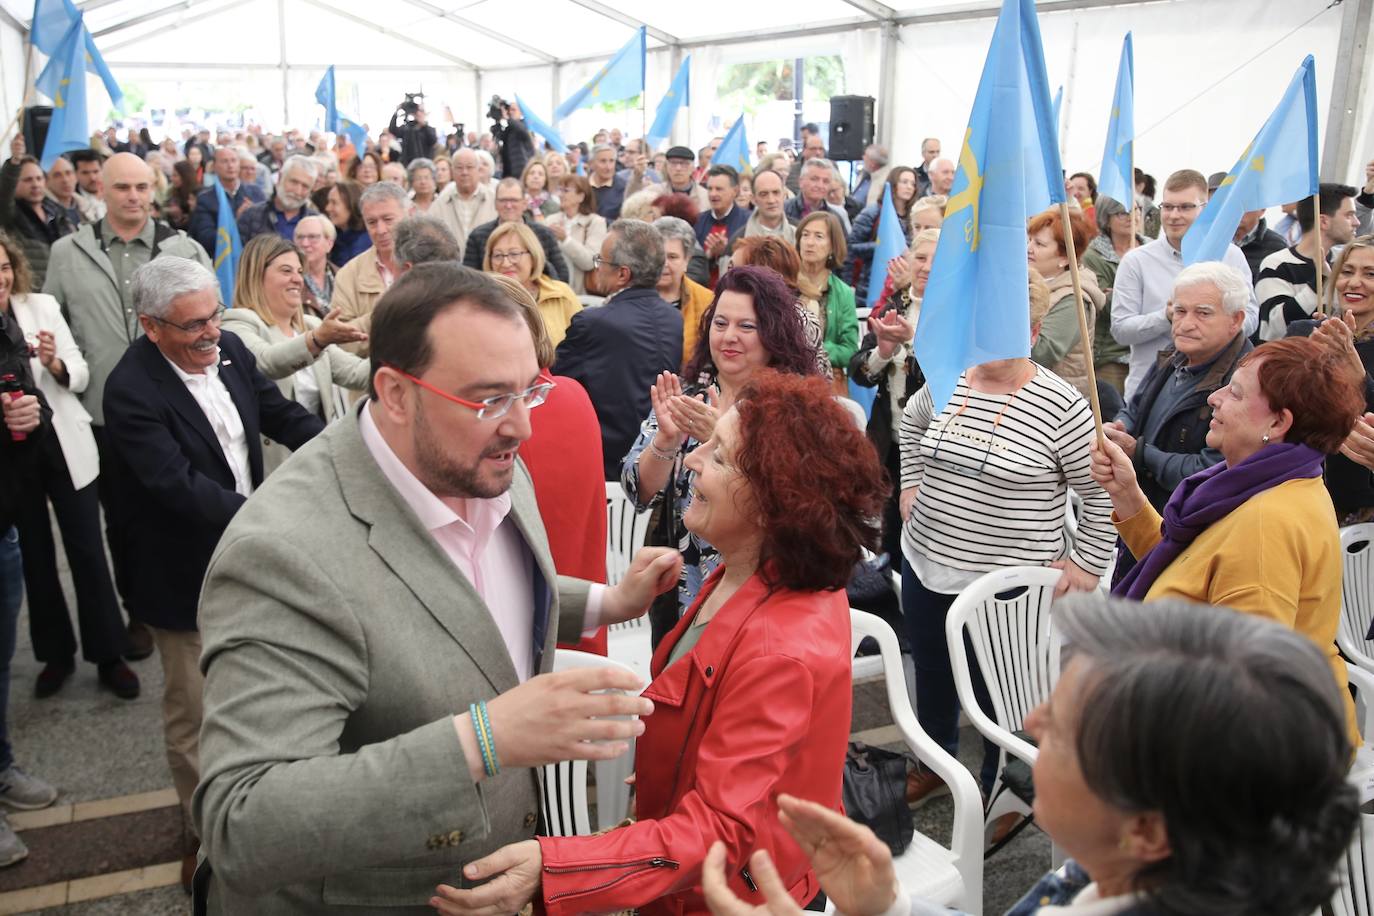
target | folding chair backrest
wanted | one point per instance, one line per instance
(1355, 870)
(625, 532)
(1006, 615)
(1357, 594)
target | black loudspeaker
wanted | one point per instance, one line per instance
(36, 121)
(851, 126)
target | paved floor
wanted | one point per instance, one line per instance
(118, 856)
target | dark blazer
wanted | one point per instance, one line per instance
(475, 251)
(616, 351)
(1351, 485)
(170, 483)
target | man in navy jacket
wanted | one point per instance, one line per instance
(185, 413)
(617, 350)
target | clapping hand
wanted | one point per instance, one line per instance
(1337, 337)
(696, 416)
(899, 270)
(892, 330)
(1359, 445)
(665, 388)
(334, 330)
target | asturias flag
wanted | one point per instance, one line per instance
(734, 149)
(536, 124)
(334, 122)
(977, 302)
(69, 128)
(621, 77)
(51, 21)
(1278, 167)
(1118, 156)
(678, 94)
(891, 244)
(227, 247)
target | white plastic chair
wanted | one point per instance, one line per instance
(1007, 616)
(950, 876)
(1355, 871)
(564, 785)
(1357, 595)
(626, 529)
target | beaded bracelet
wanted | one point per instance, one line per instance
(662, 455)
(481, 724)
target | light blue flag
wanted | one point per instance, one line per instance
(227, 247)
(622, 77)
(891, 243)
(69, 128)
(327, 95)
(977, 302)
(1117, 180)
(1278, 167)
(678, 94)
(734, 149)
(1058, 101)
(534, 123)
(51, 21)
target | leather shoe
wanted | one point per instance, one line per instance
(120, 679)
(188, 871)
(51, 678)
(140, 642)
(922, 785)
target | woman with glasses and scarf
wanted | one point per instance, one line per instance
(985, 483)
(1257, 532)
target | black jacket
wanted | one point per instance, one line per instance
(261, 219)
(516, 149)
(616, 351)
(554, 264)
(1351, 485)
(170, 484)
(35, 236)
(417, 140)
(1265, 242)
(1185, 430)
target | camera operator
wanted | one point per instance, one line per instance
(416, 136)
(514, 138)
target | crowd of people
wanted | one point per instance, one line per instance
(464, 340)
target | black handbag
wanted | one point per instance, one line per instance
(875, 794)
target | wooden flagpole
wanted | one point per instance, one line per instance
(1320, 259)
(1084, 337)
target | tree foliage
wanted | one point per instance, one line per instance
(753, 84)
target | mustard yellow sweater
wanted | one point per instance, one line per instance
(1277, 555)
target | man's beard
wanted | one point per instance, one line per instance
(444, 478)
(289, 202)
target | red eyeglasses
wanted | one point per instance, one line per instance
(498, 405)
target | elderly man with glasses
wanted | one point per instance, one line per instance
(186, 411)
(1145, 279)
(510, 208)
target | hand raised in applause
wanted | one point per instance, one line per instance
(334, 330)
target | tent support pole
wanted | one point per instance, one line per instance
(1346, 109)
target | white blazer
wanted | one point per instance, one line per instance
(38, 312)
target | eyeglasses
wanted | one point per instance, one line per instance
(955, 466)
(193, 327)
(598, 261)
(1179, 208)
(510, 200)
(498, 405)
(501, 257)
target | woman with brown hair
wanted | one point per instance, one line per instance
(822, 246)
(296, 350)
(342, 207)
(775, 254)
(580, 230)
(366, 169)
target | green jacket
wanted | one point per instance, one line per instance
(1102, 259)
(841, 323)
(102, 316)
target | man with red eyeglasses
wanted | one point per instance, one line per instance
(380, 623)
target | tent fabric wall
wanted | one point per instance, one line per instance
(1183, 48)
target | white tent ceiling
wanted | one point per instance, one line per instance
(1207, 70)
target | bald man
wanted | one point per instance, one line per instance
(89, 273)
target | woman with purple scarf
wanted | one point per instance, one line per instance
(1257, 532)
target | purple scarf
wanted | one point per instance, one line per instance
(1211, 495)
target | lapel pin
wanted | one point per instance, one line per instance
(226, 362)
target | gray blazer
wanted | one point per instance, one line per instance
(331, 774)
(279, 357)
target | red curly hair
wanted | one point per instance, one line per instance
(1050, 219)
(816, 480)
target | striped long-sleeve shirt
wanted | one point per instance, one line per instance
(993, 497)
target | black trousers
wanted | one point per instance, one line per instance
(103, 638)
(113, 530)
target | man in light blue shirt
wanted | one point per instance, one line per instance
(1145, 279)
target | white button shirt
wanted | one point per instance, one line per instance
(214, 401)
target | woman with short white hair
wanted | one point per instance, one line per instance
(314, 237)
(423, 188)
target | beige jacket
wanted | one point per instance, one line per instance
(357, 287)
(462, 216)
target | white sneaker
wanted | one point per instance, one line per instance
(12, 849)
(23, 792)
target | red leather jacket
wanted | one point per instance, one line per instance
(759, 706)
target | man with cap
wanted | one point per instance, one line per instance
(679, 178)
(1253, 237)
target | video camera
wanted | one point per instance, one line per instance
(497, 109)
(414, 101)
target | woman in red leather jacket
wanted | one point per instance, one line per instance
(751, 690)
